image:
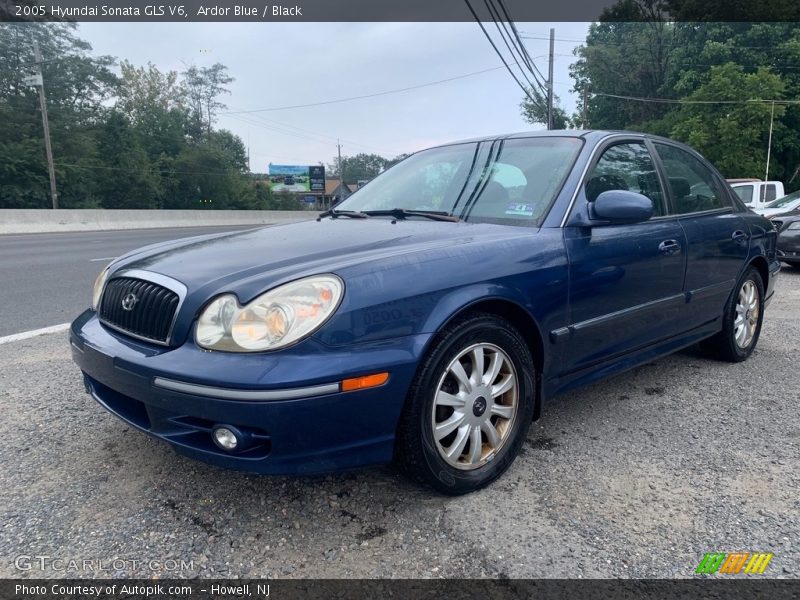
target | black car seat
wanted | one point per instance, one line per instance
(681, 195)
(649, 186)
(492, 202)
(602, 183)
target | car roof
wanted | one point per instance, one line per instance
(590, 135)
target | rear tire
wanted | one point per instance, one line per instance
(741, 322)
(469, 408)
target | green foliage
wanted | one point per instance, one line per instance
(126, 179)
(358, 167)
(203, 86)
(719, 77)
(734, 137)
(143, 139)
(534, 110)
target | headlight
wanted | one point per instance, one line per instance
(99, 284)
(274, 320)
(795, 225)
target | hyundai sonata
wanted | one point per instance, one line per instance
(428, 318)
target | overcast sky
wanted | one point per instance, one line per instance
(284, 64)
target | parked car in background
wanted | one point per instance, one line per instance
(430, 316)
(788, 227)
(781, 205)
(757, 194)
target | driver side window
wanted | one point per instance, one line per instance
(626, 167)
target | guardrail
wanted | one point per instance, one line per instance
(23, 220)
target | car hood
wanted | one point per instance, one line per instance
(249, 262)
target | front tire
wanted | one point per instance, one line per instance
(741, 323)
(469, 408)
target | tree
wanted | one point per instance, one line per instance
(534, 110)
(128, 180)
(142, 91)
(733, 137)
(359, 167)
(232, 147)
(155, 104)
(204, 85)
(127, 142)
(708, 84)
(629, 58)
(78, 85)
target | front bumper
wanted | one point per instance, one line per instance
(789, 245)
(286, 402)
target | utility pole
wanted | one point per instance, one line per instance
(341, 169)
(45, 124)
(769, 147)
(585, 109)
(550, 80)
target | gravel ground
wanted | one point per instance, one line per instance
(638, 476)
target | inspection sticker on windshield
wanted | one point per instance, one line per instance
(523, 210)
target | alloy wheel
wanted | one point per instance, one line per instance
(747, 311)
(475, 406)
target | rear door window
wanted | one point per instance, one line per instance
(693, 186)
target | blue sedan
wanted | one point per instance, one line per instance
(428, 318)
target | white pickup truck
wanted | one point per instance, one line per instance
(757, 194)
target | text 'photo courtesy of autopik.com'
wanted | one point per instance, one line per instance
(366, 299)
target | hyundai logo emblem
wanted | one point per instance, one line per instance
(129, 301)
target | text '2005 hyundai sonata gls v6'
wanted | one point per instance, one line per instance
(428, 317)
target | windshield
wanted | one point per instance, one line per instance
(516, 187)
(745, 192)
(786, 201)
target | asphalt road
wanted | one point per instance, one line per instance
(638, 476)
(46, 278)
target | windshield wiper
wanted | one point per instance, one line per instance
(333, 213)
(403, 213)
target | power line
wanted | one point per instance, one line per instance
(364, 96)
(261, 121)
(251, 120)
(516, 53)
(160, 171)
(674, 44)
(683, 101)
(547, 38)
(497, 51)
(513, 26)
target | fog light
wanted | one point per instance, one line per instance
(225, 438)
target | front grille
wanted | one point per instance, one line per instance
(778, 225)
(141, 308)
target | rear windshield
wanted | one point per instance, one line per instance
(785, 201)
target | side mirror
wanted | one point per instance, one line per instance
(621, 206)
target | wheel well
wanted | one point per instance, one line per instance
(519, 318)
(527, 328)
(760, 263)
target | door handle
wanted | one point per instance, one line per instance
(740, 237)
(669, 247)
